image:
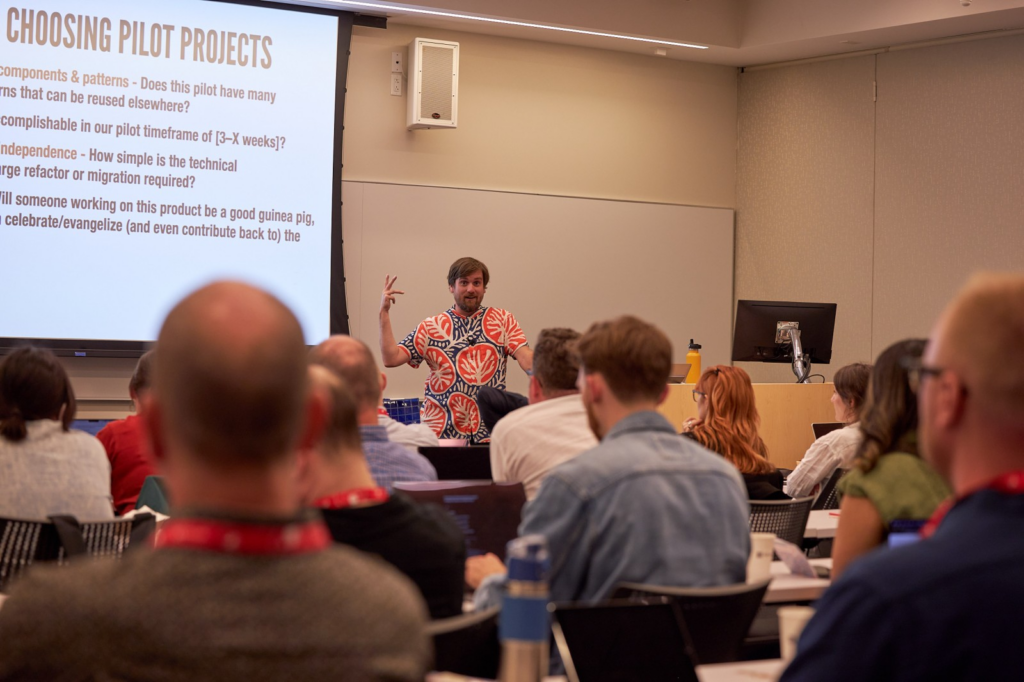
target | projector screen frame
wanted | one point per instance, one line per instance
(338, 308)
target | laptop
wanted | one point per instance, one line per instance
(90, 426)
(622, 641)
(679, 373)
(487, 513)
(825, 428)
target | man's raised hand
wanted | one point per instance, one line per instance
(388, 296)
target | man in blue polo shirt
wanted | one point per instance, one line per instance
(950, 607)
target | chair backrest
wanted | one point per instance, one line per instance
(622, 641)
(460, 464)
(488, 513)
(786, 518)
(717, 618)
(467, 644)
(23, 542)
(828, 496)
(111, 538)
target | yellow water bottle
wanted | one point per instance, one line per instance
(693, 359)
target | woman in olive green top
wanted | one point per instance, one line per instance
(889, 481)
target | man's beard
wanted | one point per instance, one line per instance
(468, 306)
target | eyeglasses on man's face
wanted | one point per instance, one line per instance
(917, 371)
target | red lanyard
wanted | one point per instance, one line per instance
(357, 497)
(1010, 483)
(233, 537)
(381, 412)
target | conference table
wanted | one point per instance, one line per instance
(822, 524)
(740, 671)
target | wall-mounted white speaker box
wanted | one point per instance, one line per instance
(433, 84)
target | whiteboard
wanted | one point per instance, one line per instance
(554, 262)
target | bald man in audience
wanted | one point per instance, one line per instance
(422, 541)
(528, 443)
(951, 606)
(390, 462)
(242, 583)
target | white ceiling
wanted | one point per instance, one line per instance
(737, 32)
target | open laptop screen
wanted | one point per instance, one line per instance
(826, 428)
(90, 426)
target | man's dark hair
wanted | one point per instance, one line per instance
(555, 362)
(467, 266)
(634, 357)
(142, 377)
(33, 385)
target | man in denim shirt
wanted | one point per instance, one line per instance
(645, 505)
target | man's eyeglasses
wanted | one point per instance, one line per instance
(697, 393)
(917, 371)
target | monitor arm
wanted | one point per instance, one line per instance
(801, 362)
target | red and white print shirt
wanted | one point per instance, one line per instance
(463, 354)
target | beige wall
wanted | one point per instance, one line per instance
(887, 207)
(549, 119)
(804, 197)
(534, 118)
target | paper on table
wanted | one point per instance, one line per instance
(144, 510)
(794, 558)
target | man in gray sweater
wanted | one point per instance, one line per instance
(241, 584)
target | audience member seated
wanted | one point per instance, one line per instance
(389, 462)
(644, 505)
(496, 403)
(244, 583)
(950, 606)
(45, 468)
(410, 435)
(727, 423)
(553, 428)
(422, 541)
(122, 439)
(889, 480)
(834, 450)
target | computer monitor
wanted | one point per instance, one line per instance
(784, 331)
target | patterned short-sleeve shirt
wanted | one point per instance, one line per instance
(463, 354)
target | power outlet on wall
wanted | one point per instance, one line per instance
(396, 84)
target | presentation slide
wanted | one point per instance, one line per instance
(149, 148)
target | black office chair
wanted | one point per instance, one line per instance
(467, 644)
(717, 618)
(786, 518)
(828, 497)
(24, 542)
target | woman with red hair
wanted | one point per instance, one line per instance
(727, 423)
